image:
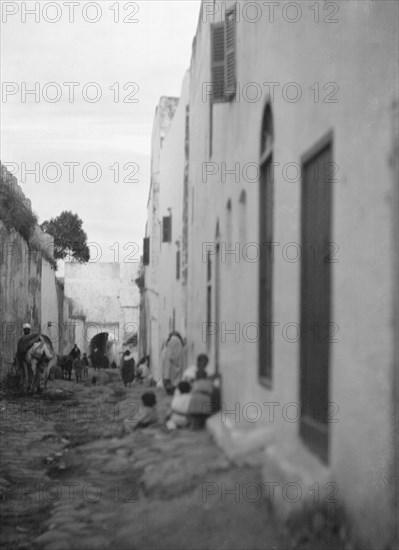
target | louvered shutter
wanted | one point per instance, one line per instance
(218, 61)
(146, 251)
(166, 229)
(230, 55)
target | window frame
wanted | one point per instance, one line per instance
(229, 52)
(167, 229)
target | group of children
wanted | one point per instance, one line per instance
(194, 400)
(79, 365)
(81, 368)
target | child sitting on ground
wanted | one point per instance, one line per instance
(148, 413)
(201, 402)
(143, 369)
(198, 371)
(178, 415)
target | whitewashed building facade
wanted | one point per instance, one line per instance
(287, 213)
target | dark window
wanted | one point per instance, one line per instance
(208, 315)
(178, 265)
(223, 62)
(208, 300)
(167, 229)
(146, 250)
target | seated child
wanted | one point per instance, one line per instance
(198, 371)
(143, 369)
(178, 417)
(148, 411)
(201, 402)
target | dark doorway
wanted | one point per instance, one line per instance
(316, 212)
(217, 306)
(99, 358)
(266, 219)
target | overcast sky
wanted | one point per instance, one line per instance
(66, 125)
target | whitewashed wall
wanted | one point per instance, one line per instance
(357, 56)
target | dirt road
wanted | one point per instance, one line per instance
(75, 475)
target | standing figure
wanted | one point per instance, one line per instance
(128, 364)
(96, 357)
(66, 362)
(104, 362)
(173, 364)
(78, 366)
(85, 363)
(75, 352)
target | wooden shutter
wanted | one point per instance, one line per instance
(223, 46)
(230, 55)
(218, 61)
(146, 251)
(166, 229)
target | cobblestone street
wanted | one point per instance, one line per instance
(73, 476)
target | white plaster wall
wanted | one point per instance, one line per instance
(94, 288)
(49, 305)
(358, 54)
(171, 196)
(203, 200)
(153, 273)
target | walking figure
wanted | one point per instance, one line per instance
(78, 367)
(85, 363)
(128, 364)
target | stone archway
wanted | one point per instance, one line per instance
(103, 349)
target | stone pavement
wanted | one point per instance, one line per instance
(75, 475)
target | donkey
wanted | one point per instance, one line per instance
(38, 359)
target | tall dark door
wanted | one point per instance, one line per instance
(316, 298)
(217, 306)
(266, 271)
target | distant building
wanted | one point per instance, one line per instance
(280, 171)
(153, 273)
(104, 299)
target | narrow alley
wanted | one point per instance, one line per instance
(199, 250)
(73, 476)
